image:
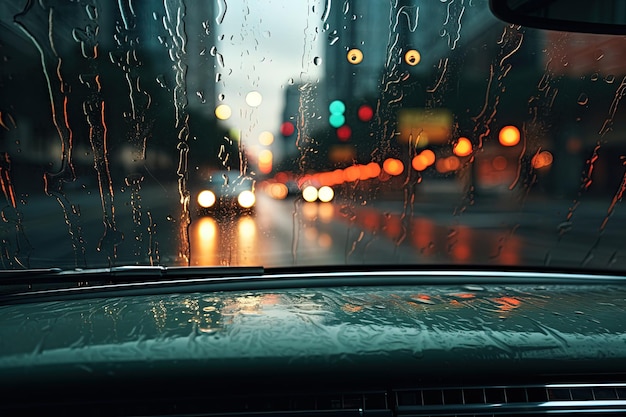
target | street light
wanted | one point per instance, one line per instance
(509, 136)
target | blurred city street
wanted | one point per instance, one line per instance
(438, 230)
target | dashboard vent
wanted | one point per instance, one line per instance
(565, 399)
(479, 401)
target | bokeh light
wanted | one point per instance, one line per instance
(365, 113)
(266, 138)
(254, 99)
(355, 56)
(325, 194)
(287, 129)
(412, 57)
(309, 193)
(542, 159)
(223, 112)
(463, 147)
(393, 166)
(509, 136)
(344, 133)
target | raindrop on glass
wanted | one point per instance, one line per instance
(160, 79)
(582, 99)
(317, 60)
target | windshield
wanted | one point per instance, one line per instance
(339, 132)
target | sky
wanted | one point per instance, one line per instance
(265, 47)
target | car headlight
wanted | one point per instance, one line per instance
(309, 193)
(325, 194)
(246, 199)
(206, 199)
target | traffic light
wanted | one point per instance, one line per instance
(287, 129)
(365, 113)
(337, 109)
(344, 133)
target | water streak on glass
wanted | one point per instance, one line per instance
(173, 23)
(28, 20)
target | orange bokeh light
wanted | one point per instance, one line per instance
(542, 159)
(265, 161)
(419, 163)
(509, 136)
(451, 163)
(462, 147)
(393, 166)
(499, 163)
(429, 156)
(351, 174)
(373, 169)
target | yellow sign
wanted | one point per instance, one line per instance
(425, 127)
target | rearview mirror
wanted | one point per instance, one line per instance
(590, 16)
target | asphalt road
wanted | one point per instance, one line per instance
(145, 228)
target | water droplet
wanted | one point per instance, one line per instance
(92, 12)
(221, 97)
(333, 37)
(599, 55)
(267, 34)
(594, 76)
(169, 218)
(290, 81)
(471, 287)
(582, 99)
(213, 51)
(200, 95)
(317, 60)
(565, 227)
(160, 79)
(203, 52)
(220, 60)
(218, 77)
(609, 79)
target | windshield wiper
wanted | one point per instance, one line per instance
(33, 284)
(120, 274)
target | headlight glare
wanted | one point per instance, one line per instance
(206, 199)
(246, 199)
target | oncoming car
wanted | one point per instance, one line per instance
(225, 192)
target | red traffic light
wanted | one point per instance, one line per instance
(365, 113)
(287, 129)
(344, 133)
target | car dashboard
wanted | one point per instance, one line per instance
(360, 343)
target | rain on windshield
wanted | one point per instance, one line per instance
(282, 133)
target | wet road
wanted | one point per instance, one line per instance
(147, 229)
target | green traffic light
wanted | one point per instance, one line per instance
(337, 107)
(336, 120)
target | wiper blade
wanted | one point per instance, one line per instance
(119, 274)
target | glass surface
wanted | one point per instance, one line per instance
(408, 132)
